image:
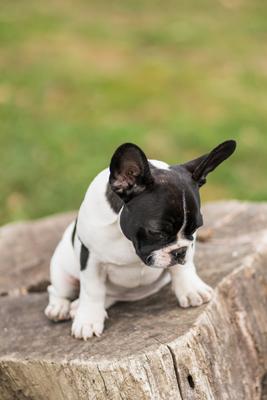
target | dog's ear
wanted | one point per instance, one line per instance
(129, 171)
(202, 166)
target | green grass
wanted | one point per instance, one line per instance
(79, 78)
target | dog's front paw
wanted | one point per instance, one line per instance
(58, 309)
(85, 325)
(193, 293)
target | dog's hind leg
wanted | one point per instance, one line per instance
(64, 286)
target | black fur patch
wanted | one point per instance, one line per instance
(151, 221)
(73, 233)
(84, 255)
(114, 200)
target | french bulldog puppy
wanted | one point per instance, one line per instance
(135, 232)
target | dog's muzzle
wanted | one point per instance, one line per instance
(165, 259)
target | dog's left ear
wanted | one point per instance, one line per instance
(202, 166)
(129, 172)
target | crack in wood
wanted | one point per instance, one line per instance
(103, 380)
(175, 367)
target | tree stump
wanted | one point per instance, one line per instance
(150, 349)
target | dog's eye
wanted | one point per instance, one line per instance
(156, 234)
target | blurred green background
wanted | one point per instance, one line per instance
(79, 78)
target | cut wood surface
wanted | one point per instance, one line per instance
(25, 250)
(150, 349)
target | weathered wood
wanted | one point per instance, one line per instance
(150, 349)
(25, 250)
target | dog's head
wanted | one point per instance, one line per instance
(161, 211)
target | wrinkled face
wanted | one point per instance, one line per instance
(161, 222)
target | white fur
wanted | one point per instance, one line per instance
(159, 164)
(189, 289)
(114, 271)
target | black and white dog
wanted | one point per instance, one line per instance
(135, 232)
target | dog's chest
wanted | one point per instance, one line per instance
(133, 275)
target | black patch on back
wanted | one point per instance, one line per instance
(73, 233)
(113, 199)
(84, 255)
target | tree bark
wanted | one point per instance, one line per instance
(150, 349)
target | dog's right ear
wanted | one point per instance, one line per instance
(129, 171)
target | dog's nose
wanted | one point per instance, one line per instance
(179, 254)
(149, 260)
